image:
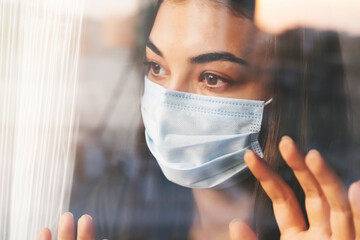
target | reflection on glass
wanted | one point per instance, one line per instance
(310, 72)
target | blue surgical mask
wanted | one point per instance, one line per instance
(199, 141)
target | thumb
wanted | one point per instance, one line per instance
(239, 230)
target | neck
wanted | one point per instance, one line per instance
(216, 208)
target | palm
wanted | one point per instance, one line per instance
(331, 214)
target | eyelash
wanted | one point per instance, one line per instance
(218, 78)
(148, 63)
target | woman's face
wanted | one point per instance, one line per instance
(198, 46)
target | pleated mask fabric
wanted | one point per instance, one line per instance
(199, 141)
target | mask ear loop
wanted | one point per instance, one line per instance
(268, 102)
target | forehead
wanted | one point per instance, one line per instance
(200, 26)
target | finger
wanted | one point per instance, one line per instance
(317, 208)
(85, 228)
(354, 197)
(340, 211)
(66, 229)
(295, 160)
(45, 234)
(286, 208)
(239, 230)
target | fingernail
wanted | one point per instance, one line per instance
(235, 221)
(248, 151)
(286, 138)
(354, 193)
(313, 153)
(66, 221)
(68, 214)
(87, 216)
(247, 155)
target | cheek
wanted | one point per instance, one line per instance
(256, 87)
(260, 89)
(251, 91)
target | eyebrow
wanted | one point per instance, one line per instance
(152, 46)
(204, 58)
(218, 56)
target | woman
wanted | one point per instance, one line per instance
(210, 51)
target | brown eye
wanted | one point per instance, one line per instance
(212, 80)
(155, 68)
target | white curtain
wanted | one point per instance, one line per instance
(39, 51)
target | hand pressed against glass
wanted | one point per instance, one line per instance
(332, 213)
(199, 46)
(66, 229)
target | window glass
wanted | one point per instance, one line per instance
(211, 79)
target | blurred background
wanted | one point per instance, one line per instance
(109, 160)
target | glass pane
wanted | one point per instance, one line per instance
(194, 113)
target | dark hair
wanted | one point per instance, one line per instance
(240, 8)
(309, 105)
